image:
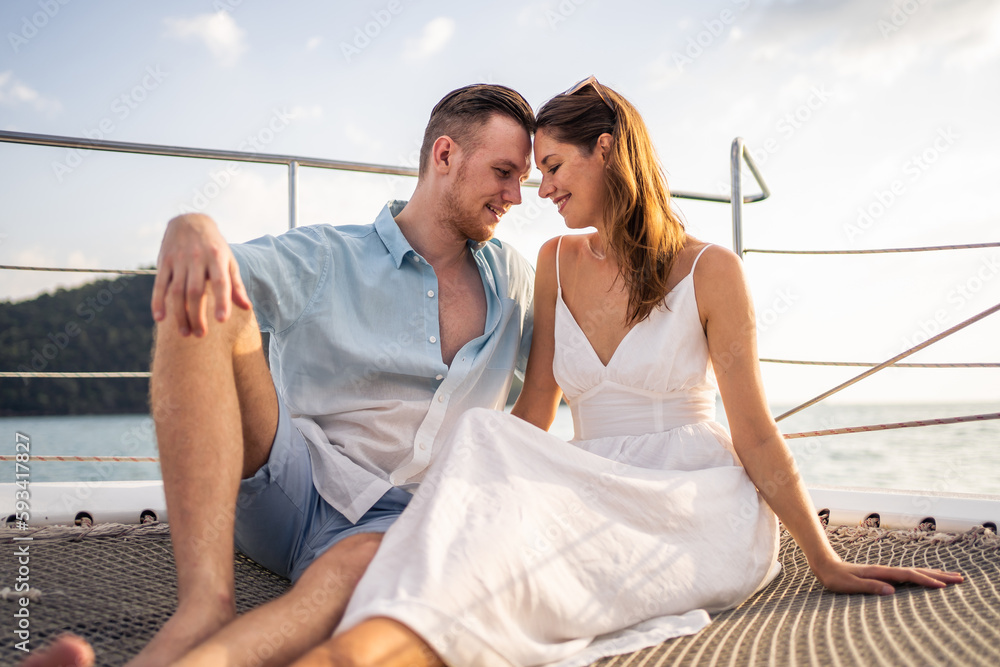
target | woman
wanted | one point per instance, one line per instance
(521, 549)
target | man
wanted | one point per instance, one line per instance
(381, 335)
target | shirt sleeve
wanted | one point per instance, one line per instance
(283, 273)
(523, 277)
(522, 354)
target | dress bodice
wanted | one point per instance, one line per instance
(659, 378)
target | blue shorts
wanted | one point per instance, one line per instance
(282, 521)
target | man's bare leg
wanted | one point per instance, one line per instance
(216, 413)
(285, 628)
(377, 642)
(275, 633)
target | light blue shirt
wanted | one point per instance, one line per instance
(355, 348)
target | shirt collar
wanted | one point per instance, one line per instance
(392, 237)
(388, 231)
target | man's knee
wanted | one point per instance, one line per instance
(338, 570)
(240, 323)
(174, 352)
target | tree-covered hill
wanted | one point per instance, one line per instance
(102, 326)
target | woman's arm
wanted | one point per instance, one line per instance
(540, 394)
(726, 311)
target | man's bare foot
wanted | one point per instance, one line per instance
(65, 651)
(191, 624)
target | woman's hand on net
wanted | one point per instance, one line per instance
(841, 577)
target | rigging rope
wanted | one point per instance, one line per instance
(890, 362)
(867, 363)
(874, 251)
(886, 427)
(129, 459)
(54, 374)
(137, 272)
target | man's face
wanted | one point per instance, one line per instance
(488, 179)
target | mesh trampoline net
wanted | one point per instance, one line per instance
(115, 586)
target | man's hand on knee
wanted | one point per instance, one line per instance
(195, 258)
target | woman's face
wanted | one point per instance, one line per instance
(572, 179)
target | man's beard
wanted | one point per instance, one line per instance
(456, 215)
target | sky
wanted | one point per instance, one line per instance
(873, 122)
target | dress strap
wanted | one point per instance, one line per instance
(700, 253)
(558, 247)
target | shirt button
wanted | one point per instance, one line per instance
(430, 293)
(423, 446)
(441, 398)
(433, 339)
(438, 377)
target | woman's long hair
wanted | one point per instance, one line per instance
(643, 233)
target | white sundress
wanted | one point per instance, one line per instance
(522, 549)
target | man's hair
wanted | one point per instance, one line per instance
(463, 112)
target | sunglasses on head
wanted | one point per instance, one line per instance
(590, 81)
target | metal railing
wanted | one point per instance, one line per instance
(738, 156)
(738, 152)
(293, 162)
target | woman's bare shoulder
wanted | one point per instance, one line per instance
(547, 253)
(720, 284)
(716, 261)
(552, 251)
(570, 247)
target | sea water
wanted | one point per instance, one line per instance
(962, 458)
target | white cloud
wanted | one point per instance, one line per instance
(665, 70)
(77, 259)
(313, 43)
(887, 41)
(975, 43)
(219, 32)
(14, 92)
(300, 112)
(533, 16)
(435, 36)
(360, 137)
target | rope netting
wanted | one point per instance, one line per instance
(115, 586)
